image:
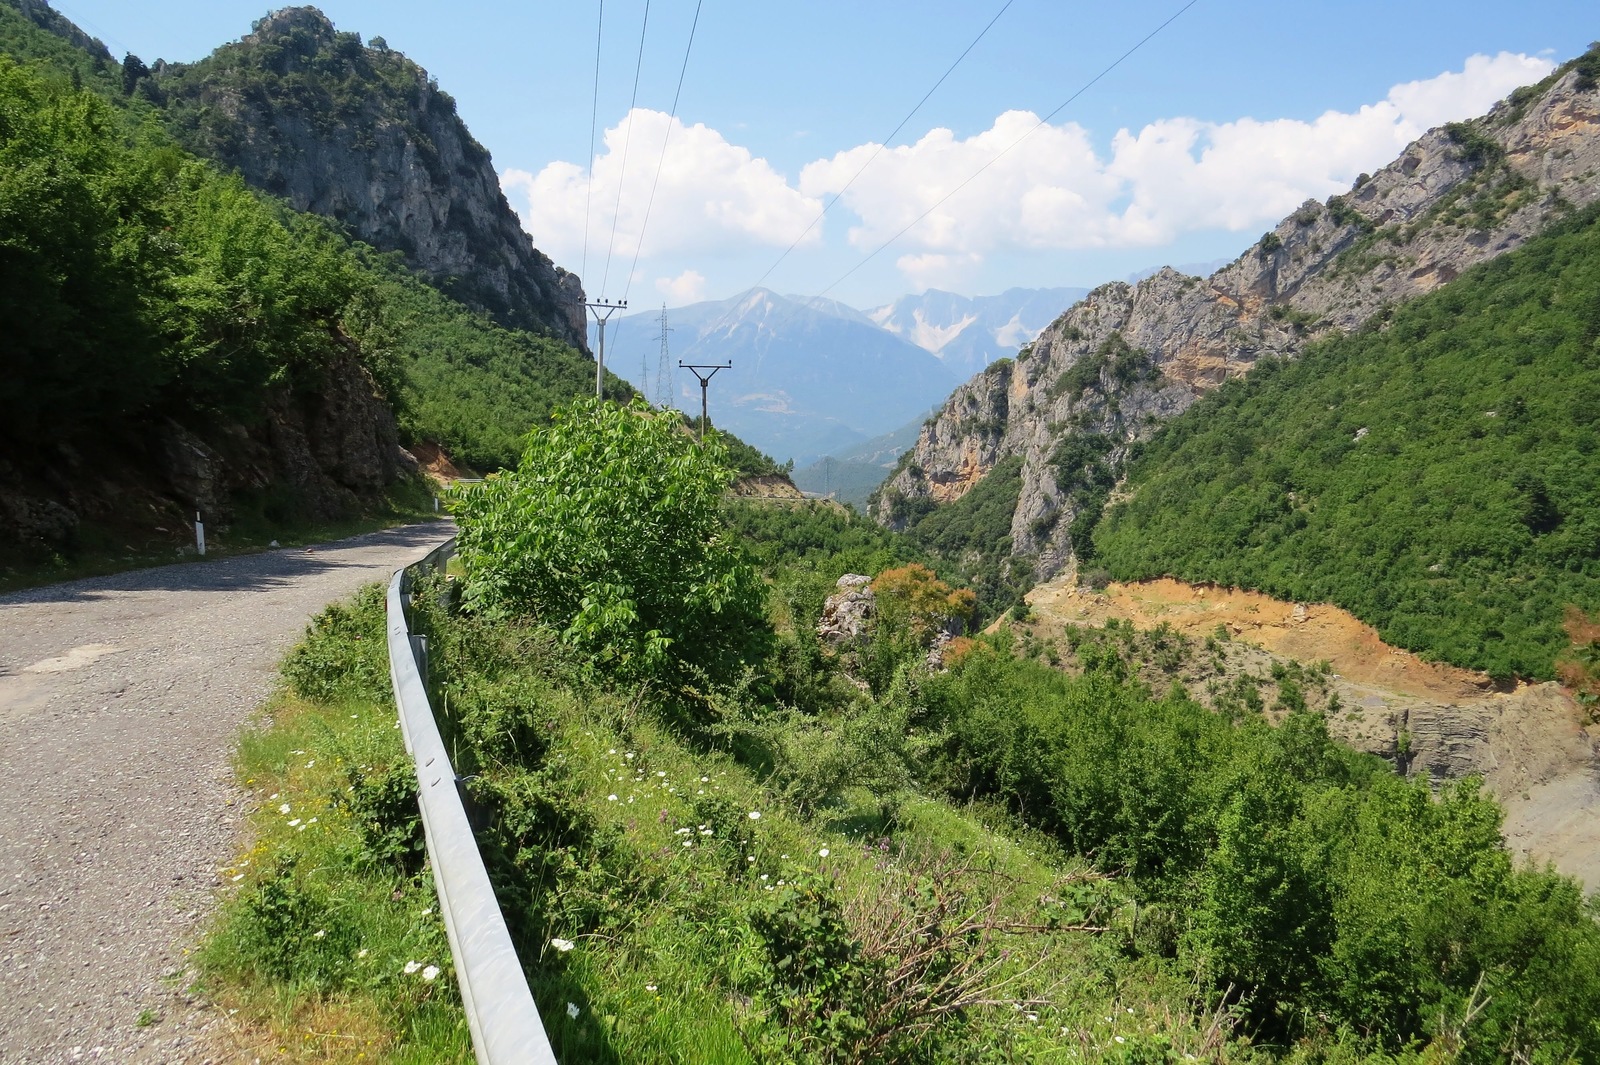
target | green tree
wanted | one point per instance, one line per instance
(609, 532)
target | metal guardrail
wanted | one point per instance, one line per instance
(500, 1011)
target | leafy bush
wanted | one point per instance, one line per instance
(345, 652)
(608, 532)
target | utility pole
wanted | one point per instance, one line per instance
(705, 383)
(666, 387)
(602, 310)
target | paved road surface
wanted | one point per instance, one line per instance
(121, 699)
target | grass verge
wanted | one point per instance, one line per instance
(328, 944)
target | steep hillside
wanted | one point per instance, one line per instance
(178, 342)
(1129, 357)
(363, 135)
(1440, 477)
(173, 343)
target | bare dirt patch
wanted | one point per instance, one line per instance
(1531, 743)
(1307, 632)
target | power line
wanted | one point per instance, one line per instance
(1007, 150)
(627, 139)
(594, 114)
(884, 143)
(639, 246)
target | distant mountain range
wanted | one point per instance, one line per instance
(814, 378)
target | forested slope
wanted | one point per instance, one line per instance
(1438, 476)
(181, 342)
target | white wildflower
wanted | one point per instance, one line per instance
(430, 972)
(823, 853)
(612, 797)
(573, 1010)
(755, 815)
(284, 808)
(320, 933)
(295, 822)
(563, 945)
(362, 953)
(412, 966)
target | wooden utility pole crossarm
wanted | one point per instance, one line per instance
(705, 374)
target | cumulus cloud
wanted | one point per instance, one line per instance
(687, 287)
(1056, 191)
(713, 195)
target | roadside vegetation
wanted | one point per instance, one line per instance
(328, 946)
(731, 842)
(1434, 474)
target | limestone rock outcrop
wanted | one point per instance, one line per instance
(846, 613)
(362, 135)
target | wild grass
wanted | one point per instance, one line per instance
(328, 942)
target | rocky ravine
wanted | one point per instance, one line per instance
(363, 135)
(1130, 356)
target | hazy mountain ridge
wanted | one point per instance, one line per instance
(1130, 356)
(813, 397)
(970, 332)
(806, 379)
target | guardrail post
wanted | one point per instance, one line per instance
(419, 652)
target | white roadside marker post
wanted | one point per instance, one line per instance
(199, 534)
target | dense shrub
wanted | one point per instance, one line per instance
(609, 533)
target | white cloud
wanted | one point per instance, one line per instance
(1173, 176)
(713, 196)
(938, 270)
(687, 287)
(1055, 191)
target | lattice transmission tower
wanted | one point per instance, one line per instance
(666, 382)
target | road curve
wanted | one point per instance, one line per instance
(121, 699)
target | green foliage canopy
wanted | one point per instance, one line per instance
(608, 531)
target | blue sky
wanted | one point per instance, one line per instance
(1185, 153)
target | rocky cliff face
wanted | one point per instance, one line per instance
(364, 136)
(1127, 357)
(319, 452)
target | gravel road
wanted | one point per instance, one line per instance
(121, 699)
